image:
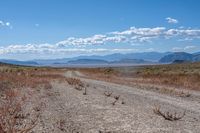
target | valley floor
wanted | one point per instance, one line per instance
(64, 108)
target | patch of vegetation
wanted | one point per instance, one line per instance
(12, 117)
(168, 115)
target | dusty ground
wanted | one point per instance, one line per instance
(65, 109)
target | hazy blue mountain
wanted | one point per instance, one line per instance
(148, 56)
(134, 58)
(197, 53)
(131, 61)
(180, 61)
(32, 63)
(196, 57)
(176, 56)
(52, 61)
(87, 61)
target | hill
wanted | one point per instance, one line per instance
(131, 61)
(176, 56)
(15, 62)
(87, 61)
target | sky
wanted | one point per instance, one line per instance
(49, 29)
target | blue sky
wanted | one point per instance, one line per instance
(31, 29)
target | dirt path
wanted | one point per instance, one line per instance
(68, 110)
(145, 100)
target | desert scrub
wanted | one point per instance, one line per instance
(168, 115)
(12, 116)
(77, 83)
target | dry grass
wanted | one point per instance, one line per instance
(19, 77)
(175, 75)
(13, 79)
(12, 117)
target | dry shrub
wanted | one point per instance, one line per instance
(12, 118)
(170, 91)
(85, 91)
(116, 99)
(74, 81)
(108, 93)
(168, 115)
(183, 94)
(77, 83)
(123, 102)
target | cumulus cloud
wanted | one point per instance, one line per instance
(141, 34)
(190, 47)
(53, 49)
(177, 49)
(93, 40)
(150, 49)
(171, 20)
(131, 36)
(183, 34)
(134, 35)
(5, 24)
(186, 48)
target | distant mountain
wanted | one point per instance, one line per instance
(52, 61)
(87, 61)
(197, 53)
(131, 61)
(180, 61)
(176, 56)
(4, 64)
(27, 63)
(103, 62)
(117, 58)
(148, 56)
(196, 57)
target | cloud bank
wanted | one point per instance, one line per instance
(132, 35)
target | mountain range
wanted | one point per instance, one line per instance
(180, 56)
(114, 59)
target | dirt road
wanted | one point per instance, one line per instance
(68, 110)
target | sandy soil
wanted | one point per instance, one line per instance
(65, 109)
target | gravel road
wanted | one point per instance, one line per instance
(66, 109)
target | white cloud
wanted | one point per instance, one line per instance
(130, 36)
(177, 49)
(93, 40)
(171, 20)
(53, 49)
(144, 31)
(186, 48)
(5, 24)
(183, 34)
(150, 49)
(191, 47)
